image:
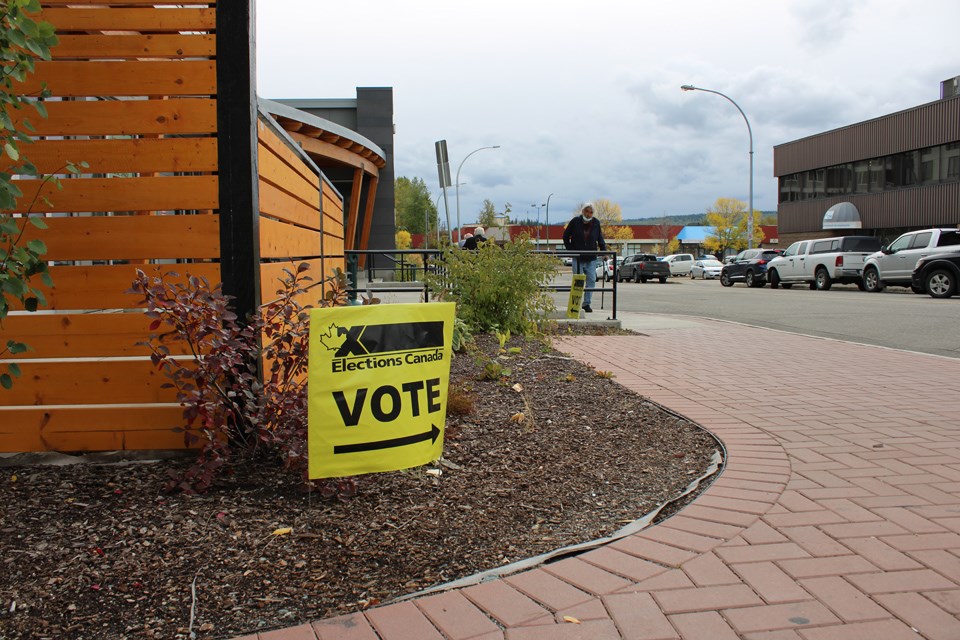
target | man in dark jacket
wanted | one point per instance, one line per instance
(583, 234)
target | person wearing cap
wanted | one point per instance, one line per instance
(475, 240)
(583, 233)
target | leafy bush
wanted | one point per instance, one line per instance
(497, 287)
(228, 405)
(22, 40)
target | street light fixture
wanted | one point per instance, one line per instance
(496, 146)
(690, 87)
(538, 222)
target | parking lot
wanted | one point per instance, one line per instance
(895, 318)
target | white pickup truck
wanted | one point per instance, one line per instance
(822, 262)
(894, 264)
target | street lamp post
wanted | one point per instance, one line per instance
(690, 87)
(496, 146)
(548, 219)
(538, 223)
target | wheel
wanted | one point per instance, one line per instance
(860, 285)
(916, 289)
(774, 279)
(692, 277)
(663, 281)
(725, 279)
(749, 279)
(642, 279)
(941, 283)
(636, 276)
(786, 285)
(823, 280)
(871, 280)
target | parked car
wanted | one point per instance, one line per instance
(641, 267)
(605, 268)
(749, 267)
(708, 268)
(568, 261)
(937, 275)
(822, 262)
(894, 264)
(680, 263)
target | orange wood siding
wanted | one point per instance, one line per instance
(293, 228)
(122, 102)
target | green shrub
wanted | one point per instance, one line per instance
(497, 287)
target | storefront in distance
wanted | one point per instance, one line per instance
(879, 177)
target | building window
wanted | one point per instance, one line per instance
(931, 165)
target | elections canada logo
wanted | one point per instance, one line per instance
(377, 346)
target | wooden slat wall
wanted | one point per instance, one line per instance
(140, 109)
(301, 217)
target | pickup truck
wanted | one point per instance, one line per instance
(894, 263)
(641, 267)
(822, 262)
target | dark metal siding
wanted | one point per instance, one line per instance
(924, 126)
(927, 206)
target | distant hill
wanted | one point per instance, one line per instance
(689, 219)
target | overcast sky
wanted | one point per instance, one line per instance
(584, 97)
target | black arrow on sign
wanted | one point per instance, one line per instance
(431, 435)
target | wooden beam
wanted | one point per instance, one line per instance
(322, 152)
(368, 216)
(353, 215)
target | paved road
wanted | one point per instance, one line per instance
(895, 318)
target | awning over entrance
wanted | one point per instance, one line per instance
(843, 215)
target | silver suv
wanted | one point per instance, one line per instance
(894, 264)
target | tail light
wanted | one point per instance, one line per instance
(839, 261)
(761, 262)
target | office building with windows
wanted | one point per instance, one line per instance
(880, 177)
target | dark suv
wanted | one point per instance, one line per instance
(749, 267)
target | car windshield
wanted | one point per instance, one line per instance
(769, 255)
(712, 263)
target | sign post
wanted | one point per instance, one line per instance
(377, 386)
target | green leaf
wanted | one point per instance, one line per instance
(38, 222)
(41, 109)
(37, 246)
(6, 381)
(12, 151)
(46, 279)
(15, 347)
(14, 369)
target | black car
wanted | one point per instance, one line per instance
(937, 275)
(749, 267)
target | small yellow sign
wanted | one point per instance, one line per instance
(576, 295)
(377, 387)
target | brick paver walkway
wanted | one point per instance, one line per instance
(837, 516)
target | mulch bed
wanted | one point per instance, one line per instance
(99, 551)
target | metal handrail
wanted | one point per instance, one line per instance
(429, 258)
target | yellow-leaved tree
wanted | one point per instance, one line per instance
(728, 218)
(607, 211)
(617, 238)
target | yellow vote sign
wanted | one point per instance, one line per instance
(576, 295)
(377, 387)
